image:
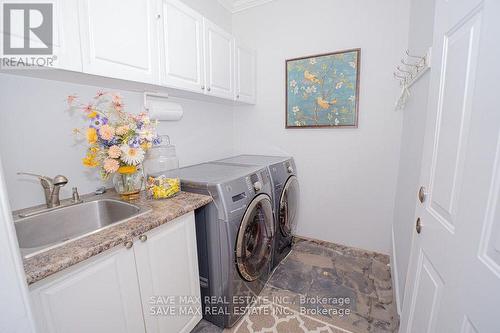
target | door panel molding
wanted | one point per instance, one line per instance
(425, 269)
(459, 62)
(489, 245)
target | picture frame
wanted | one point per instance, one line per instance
(322, 90)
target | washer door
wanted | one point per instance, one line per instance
(289, 204)
(254, 242)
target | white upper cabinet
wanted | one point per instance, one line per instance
(66, 43)
(65, 38)
(219, 63)
(182, 47)
(245, 74)
(120, 39)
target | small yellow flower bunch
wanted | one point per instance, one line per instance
(117, 140)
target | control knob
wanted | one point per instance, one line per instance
(290, 169)
(257, 186)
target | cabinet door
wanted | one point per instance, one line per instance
(119, 39)
(182, 47)
(98, 295)
(219, 52)
(65, 44)
(245, 74)
(167, 266)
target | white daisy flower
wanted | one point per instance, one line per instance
(337, 121)
(295, 109)
(147, 134)
(293, 83)
(131, 155)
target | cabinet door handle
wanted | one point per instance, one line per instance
(143, 238)
(202, 87)
(128, 244)
(209, 89)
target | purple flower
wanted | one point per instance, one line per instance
(134, 142)
(98, 121)
(157, 140)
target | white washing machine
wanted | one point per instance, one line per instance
(285, 197)
(234, 235)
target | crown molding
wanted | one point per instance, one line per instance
(228, 4)
(235, 6)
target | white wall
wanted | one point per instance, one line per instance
(36, 134)
(412, 139)
(347, 176)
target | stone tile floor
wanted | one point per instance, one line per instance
(322, 287)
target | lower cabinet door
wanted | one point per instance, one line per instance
(167, 267)
(98, 295)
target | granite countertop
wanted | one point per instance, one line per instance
(54, 260)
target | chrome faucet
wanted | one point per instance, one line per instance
(51, 187)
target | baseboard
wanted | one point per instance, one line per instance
(394, 273)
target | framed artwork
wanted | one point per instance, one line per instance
(322, 90)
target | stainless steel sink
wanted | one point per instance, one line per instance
(50, 229)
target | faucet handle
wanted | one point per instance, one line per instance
(76, 196)
(46, 181)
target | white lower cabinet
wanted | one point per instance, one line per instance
(100, 295)
(112, 292)
(167, 267)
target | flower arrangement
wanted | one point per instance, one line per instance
(117, 140)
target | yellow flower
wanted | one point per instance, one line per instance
(92, 115)
(146, 145)
(89, 161)
(94, 150)
(91, 135)
(127, 169)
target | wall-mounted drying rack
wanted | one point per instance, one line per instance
(408, 72)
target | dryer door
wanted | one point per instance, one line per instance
(254, 242)
(289, 205)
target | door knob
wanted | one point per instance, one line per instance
(143, 238)
(422, 194)
(418, 226)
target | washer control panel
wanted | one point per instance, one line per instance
(254, 183)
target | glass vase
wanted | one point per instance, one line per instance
(128, 182)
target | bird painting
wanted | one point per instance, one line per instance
(311, 77)
(319, 86)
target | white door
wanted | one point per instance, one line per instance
(454, 274)
(167, 265)
(219, 67)
(245, 74)
(120, 39)
(100, 295)
(182, 48)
